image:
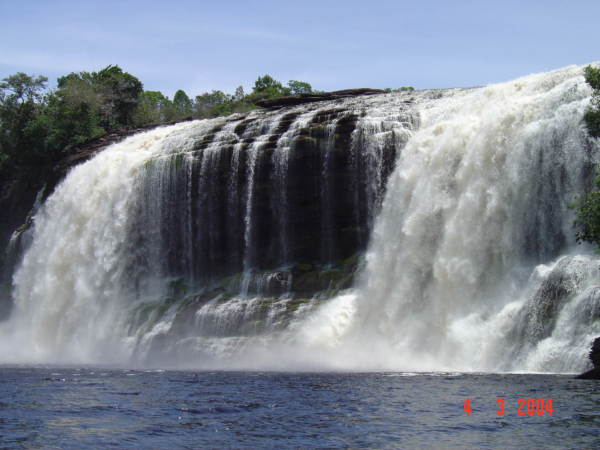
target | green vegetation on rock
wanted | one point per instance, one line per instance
(267, 87)
(587, 207)
(401, 89)
(587, 212)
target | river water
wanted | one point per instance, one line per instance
(98, 407)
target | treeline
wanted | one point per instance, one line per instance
(38, 126)
(155, 107)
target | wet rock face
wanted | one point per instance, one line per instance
(595, 353)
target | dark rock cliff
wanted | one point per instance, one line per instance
(594, 355)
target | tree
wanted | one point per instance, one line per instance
(262, 84)
(400, 89)
(154, 107)
(120, 89)
(239, 94)
(75, 89)
(114, 92)
(65, 124)
(299, 87)
(37, 126)
(20, 88)
(182, 103)
(587, 212)
(270, 87)
(21, 102)
(213, 104)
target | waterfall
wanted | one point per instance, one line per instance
(475, 210)
(225, 242)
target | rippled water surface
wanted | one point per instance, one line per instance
(94, 407)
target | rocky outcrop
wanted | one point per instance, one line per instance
(297, 291)
(318, 97)
(593, 374)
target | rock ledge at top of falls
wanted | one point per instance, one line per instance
(318, 97)
(594, 355)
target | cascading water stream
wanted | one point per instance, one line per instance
(327, 241)
(182, 245)
(374, 133)
(477, 201)
(281, 161)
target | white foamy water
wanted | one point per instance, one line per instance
(479, 199)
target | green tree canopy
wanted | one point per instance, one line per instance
(154, 107)
(270, 87)
(20, 88)
(239, 94)
(587, 212)
(113, 92)
(299, 87)
(21, 102)
(182, 102)
(213, 104)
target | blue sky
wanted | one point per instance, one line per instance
(198, 46)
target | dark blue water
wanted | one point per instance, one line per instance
(79, 408)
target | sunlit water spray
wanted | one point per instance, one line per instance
(472, 263)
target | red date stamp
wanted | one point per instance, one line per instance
(526, 407)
